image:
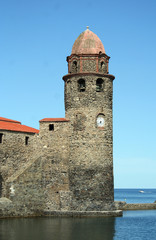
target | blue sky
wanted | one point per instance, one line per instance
(35, 38)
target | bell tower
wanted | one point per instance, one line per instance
(88, 106)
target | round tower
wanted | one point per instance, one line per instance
(88, 105)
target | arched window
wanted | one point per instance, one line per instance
(99, 85)
(74, 66)
(102, 65)
(81, 85)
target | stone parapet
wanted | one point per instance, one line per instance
(116, 213)
(134, 206)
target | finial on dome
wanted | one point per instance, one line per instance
(87, 27)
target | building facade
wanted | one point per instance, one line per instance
(67, 165)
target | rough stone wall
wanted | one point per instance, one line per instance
(27, 193)
(89, 98)
(42, 184)
(91, 147)
(14, 154)
(89, 63)
(55, 152)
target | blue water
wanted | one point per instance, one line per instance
(134, 195)
(140, 225)
(137, 225)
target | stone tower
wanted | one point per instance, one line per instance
(88, 105)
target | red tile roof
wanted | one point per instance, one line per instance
(8, 120)
(11, 125)
(54, 120)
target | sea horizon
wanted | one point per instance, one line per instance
(135, 195)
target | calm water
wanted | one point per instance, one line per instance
(133, 225)
(134, 196)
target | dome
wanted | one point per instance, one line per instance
(87, 43)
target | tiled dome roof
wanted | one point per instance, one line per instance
(88, 43)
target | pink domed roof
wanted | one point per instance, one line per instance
(88, 43)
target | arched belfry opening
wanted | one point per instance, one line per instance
(81, 85)
(102, 65)
(74, 67)
(99, 85)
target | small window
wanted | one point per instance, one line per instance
(99, 85)
(74, 66)
(51, 127)
(81, 85)
(26, 140)
(102, 65)
(1, 137)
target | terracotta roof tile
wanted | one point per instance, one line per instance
(8, 120)
(88, 43)
(11, 125)
(54, 120)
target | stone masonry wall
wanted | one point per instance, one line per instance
(89, 98)
(91, 147)
(14, 154)
(55, 152)
(43, 183)
(27, 193)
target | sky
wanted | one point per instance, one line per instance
(36, 36)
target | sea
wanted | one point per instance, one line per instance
(135, 195)
(137, 225)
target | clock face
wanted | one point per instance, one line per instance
(100, 121)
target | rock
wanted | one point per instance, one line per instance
(5, 200)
